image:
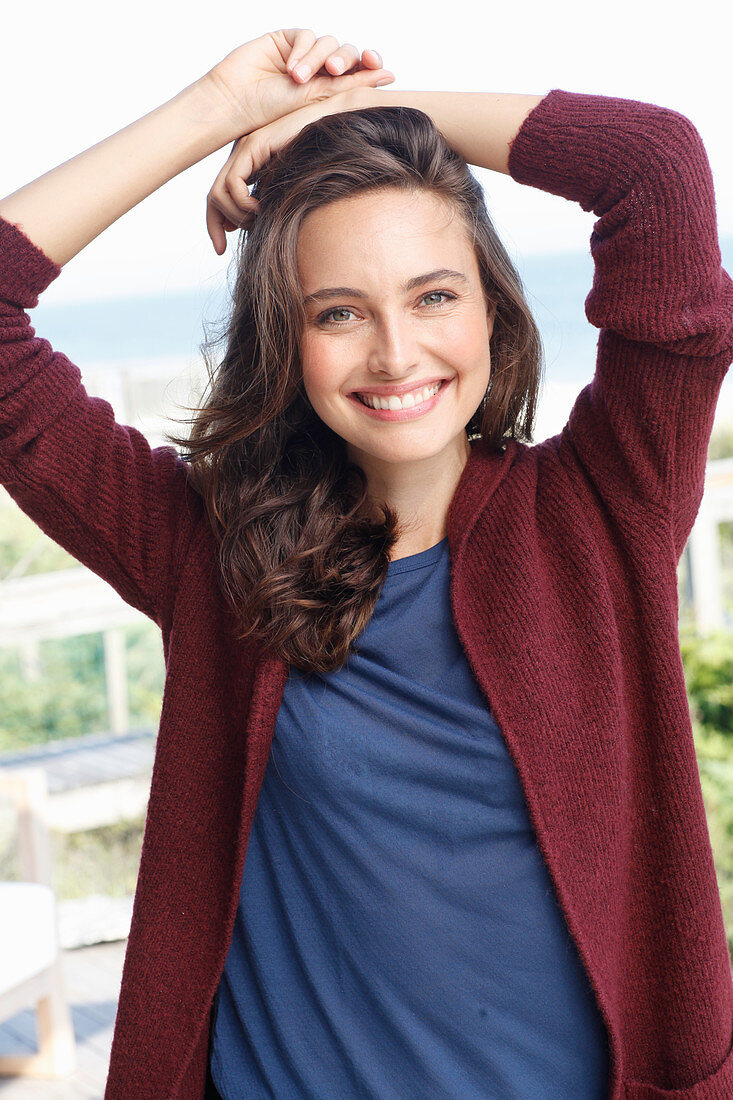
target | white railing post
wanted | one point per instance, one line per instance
(115, 664)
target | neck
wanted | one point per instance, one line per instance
(420, 492)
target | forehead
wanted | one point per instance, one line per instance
(381, 231)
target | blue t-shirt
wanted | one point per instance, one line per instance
(398, 934)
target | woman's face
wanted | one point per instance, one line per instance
(394, 302)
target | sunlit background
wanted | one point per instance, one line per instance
(73, 73)
(81, 674)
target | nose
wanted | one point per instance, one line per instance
(394, 351)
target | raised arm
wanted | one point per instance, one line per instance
(94, 486)
(481, 126)
(65, 209)
(638, 434)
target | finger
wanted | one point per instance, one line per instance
(371, 59)
(371, 78)
(368, 59)
(326, 86)
(256, 149)
(236, 186)
(302, 40)
(314, 58)
(215, 227)
(231, 182)
(230, 209)
(225, 213)
(343, 59)
(218, 226)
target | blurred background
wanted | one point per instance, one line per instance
(81, 673)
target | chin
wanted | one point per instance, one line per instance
(406, 450)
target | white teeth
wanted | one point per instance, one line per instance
(415, 397)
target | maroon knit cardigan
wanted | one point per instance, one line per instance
(564, 593)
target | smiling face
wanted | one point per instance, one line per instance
(404, 307)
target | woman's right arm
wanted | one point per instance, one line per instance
(65, 209)
(96, 487)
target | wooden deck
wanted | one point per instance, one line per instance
(93, 976)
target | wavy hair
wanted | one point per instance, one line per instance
(303, 549)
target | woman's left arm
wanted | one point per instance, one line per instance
(640, 431)
(481, 126)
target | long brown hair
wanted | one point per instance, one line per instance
(303, 549)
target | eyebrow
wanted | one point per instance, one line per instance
(411, 284)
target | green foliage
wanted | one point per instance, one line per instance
(69, 698)
(708, 668)
(25, 550)
(716, 780)
(145, 674)
(725, 535)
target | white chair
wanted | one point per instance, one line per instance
(30, 961)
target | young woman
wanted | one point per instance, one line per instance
(424, 674)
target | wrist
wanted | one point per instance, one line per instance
(359, 98)
(212, 112)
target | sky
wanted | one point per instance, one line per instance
(76, 72)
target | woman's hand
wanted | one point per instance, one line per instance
(281, 71)
(274, 77)
(229, 205)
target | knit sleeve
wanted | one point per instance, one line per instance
(639, 432)
(97, 488)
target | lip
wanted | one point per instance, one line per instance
(403, 414)
(405, 387)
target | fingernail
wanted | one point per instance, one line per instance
(387, 80)
(303, 71)
(339, 64)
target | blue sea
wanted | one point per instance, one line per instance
(170, 326)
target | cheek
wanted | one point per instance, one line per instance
(468, 341)
(323, 370)
(468, 352)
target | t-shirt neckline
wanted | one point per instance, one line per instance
(417, 561)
